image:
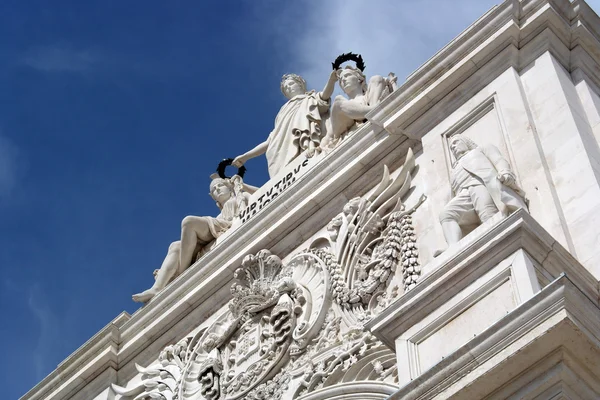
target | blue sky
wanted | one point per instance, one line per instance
(113, 114)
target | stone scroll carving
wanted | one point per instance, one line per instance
(370, 240)
(275, 311)
(297, 328)
(282, 336)
(299, 125)
(483, 183)
(161, 380)
(199, 233)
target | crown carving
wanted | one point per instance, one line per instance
(259, 284)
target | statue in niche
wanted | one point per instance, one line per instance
(483, 184)
(198, 233)
(298, 125)
(348, 113)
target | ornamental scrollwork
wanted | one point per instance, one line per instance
(294, 328)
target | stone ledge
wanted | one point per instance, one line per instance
(469, 259)
(353, 391)
(560, 318)
(524, 29)
(83, 365)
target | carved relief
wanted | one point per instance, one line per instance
(370, 240)
(483, 183)
(274, 312)
(251, 340)
(160, 380)
(298, 328)
(279, 334)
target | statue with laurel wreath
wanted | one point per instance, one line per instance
(198, 233)
(347, 113)
(298, 125)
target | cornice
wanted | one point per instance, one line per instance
(559, 318)
(512, 34)
(83, 365)
(450, 273)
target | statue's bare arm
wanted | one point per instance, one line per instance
(329, 86)
(255, 152)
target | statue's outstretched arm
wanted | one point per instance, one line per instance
(329, 86)
(255, 152)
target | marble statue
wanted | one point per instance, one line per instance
(231, 196)
(346, 113)
(483, 184)
(298, 125)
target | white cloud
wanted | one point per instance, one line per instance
(391, 35)
(48, 333)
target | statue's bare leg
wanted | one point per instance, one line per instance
(194, 230)
(167, 271)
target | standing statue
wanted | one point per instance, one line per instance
(483, 184)
(197, 233)
(298, 125)
(347, 113)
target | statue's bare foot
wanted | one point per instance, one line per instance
(145, 296)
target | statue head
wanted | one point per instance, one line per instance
(352, 79)
(292, 85)
(461, 145)
(221, 190)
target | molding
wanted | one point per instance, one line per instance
(84, 365)
(555, 374)
(353, 391)
(560, 317)
(471, 258)
(342, 174)
(350, 169)
(511, 35)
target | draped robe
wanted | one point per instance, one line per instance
(298, 122)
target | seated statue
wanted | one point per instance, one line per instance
(298, 125)
(348, 113)
(198, 233)
(483, 184)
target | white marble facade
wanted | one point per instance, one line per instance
(357, 306)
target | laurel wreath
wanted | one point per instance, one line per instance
(357, 58)
(226, 163)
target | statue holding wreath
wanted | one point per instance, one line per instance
(349, 112)
(198, 233)
(298, 125)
